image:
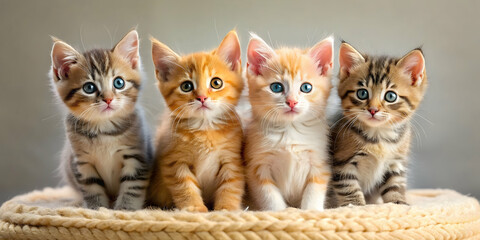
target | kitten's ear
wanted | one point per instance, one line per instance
(413, 64)
(348, 57)
(229, 50)
(164, 59)
(128, 48)
(258, 52)
(63, 57)
(322, 54)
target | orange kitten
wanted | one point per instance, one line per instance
(286, 141)
(198, 159)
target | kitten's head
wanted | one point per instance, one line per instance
(98, 84)
(203, 85)
(380, 91)
(289, 84)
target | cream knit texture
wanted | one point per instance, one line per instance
(432, 214)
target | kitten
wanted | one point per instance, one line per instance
(286, 149)
(107, 155)
(370, 143)
(198, 159)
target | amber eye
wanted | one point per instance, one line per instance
(186, 86)
(216, 83)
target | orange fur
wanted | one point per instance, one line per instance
(198, 160)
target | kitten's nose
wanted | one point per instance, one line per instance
(202, 98)
(108, 100)
(291, 103)
(373, 111)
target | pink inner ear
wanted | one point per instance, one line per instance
(257, 54)
(346, 59)
(63, 56)
(413, 64)
(164, 59)
(322, 53)
(230, 51)
(128, 48)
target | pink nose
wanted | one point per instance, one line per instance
(108, 100)
(291, 103)
(373, 111)
(202, 98)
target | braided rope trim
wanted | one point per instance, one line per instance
(434, 214)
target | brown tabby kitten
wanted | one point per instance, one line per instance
(370, 143)
(107, 155)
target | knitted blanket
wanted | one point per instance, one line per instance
(52, 214)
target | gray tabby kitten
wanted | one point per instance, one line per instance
(107, 155)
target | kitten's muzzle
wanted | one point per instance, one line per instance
(373, 110)
(202, 99)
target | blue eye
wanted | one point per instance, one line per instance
(118, 83)
(306, 87)
(276, 87)
(89, 88)
(362, 94)
(186, 86)
(390, 96)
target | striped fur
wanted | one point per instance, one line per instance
(369, 152)
(107, 156)
(198, 160)
(286, 147)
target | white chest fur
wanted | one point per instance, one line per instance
(206, 168)
(295, 149)
(107, 161)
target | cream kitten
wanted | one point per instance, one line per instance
(286, 141)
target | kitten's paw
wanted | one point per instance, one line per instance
(94, 206)
(228, 207)
(402, 202)
(352, 204)
(318, 206)
(125, 208)
(316, 203)
(199, 208)
(128, 205)
(95, 203)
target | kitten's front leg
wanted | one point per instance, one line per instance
(263, 189)
(182, 184)
(314, 194)
(392, 189)
(133, 182)
(345, 184)
(231, 183)
(90, 183)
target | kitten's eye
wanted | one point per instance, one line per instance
(362, 94)
(186, 86)
(216, 83)
(306, 87)
(390, 96)
(276, 87)
(89, 88)
(118, 83)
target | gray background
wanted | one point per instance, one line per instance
(446, 150)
